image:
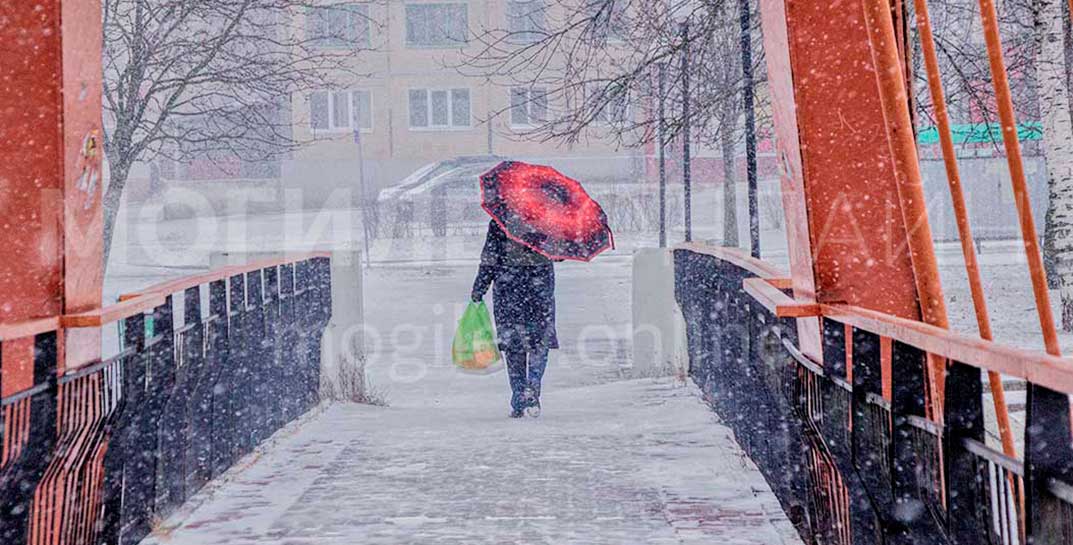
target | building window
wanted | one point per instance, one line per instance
(608, 19)
(341, 25)
(439, 108)
(436, 25)
(362, 108)
(341, 110)
(525, 20)
(612, 104)
(528, 106)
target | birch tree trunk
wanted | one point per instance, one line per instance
(1057, 145)
(730, 199)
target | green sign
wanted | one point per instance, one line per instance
(981, 133)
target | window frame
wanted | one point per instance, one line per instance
(372, 116)
(447, 44)
(430, 127)
(528, 105)
(355, 12)
(534, 33)
(333, 128)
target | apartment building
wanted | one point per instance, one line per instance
(411, 105)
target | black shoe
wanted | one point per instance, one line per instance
(516, 413)
(528, 398)
(534, 409)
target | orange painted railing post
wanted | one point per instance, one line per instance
(50, 164)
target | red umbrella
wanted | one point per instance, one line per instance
(541, 208)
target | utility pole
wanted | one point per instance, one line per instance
(661, 136)
(687, 171)
(750, 125)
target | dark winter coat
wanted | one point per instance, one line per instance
(523, 295)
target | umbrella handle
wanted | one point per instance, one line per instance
(611, 234)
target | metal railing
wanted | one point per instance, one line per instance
(96, 454)
(847, 444)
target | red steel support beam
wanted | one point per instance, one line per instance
(857, 228)
(894, 99)
(50, 167)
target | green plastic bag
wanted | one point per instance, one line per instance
(474, 347)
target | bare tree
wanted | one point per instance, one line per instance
(963, 61)
(595, 64)
(727, 73)
(215, 78)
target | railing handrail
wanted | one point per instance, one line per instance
(29, 328)
(86, 370)
(1013, 465)
(112, 313)
(90, 318)
(141, 301)
(737, 256)
(1037, 367)
(24, 394)
(1060, 490)
(168, 287)
(766, 291)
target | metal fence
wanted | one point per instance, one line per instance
(846, 443)
(96, 454)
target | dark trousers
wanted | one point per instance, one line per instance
(525, 370)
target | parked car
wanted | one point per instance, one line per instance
(438, 195)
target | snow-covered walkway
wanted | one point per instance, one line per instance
(630, 462)
(611, 461)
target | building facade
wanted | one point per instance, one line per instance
(411, 104)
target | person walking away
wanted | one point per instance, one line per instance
(523, 300)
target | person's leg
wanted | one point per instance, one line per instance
(538, 361)
(516, 373)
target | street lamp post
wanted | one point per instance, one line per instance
(750, 125)
(661, 136)
(687, 170)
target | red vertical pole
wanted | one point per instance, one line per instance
(1001, 84)
(957, 197)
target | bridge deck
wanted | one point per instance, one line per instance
(638, 461)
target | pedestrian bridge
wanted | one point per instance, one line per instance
(206, 428)
(831, 403)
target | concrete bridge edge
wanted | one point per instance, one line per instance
(659, 329)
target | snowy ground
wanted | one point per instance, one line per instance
(610, 461)
(625, 462)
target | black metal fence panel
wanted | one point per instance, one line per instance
(852, 463)
(97, 454)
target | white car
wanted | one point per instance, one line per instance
(438, 195)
